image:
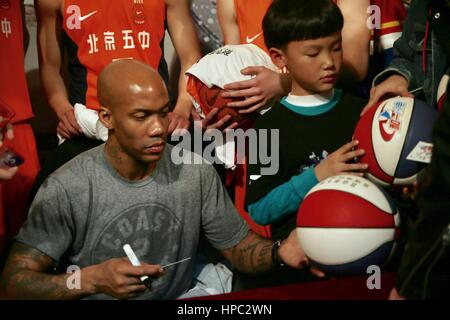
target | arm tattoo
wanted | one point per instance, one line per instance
(253, 254)
(25, 276)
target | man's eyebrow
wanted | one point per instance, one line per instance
(146, 110)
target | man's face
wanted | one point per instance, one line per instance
(140, 123)
(314, 64)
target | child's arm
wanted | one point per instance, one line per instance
(286, 198)
(282, 200)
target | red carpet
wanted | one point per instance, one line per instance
(352, 288)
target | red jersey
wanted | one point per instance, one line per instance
(392, 16)
(249, 15)
(102, 31)
(13, 85)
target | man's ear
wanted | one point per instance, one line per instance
(105, 117)
(278, 57)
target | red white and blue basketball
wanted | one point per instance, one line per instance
(346, 224)
(389, 132)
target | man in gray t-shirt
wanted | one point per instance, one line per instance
(159, 216)
(128, 191)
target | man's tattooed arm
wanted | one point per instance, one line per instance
(25, 277)
(252, 255)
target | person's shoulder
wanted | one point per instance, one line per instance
(81, 168)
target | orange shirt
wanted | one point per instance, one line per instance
(101, 31)
(13, 85)
(250, 14)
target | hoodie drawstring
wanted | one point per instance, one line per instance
(424, 53)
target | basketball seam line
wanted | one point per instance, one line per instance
(370, 203)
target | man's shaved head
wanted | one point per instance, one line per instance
(134, 106)
(125, 78)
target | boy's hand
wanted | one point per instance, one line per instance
(336, 163)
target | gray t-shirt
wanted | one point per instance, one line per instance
(85, 212)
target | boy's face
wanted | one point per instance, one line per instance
(314, 65)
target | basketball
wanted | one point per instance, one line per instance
(207, 78)
(396, 135)
(210, 98)
(346, 224)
